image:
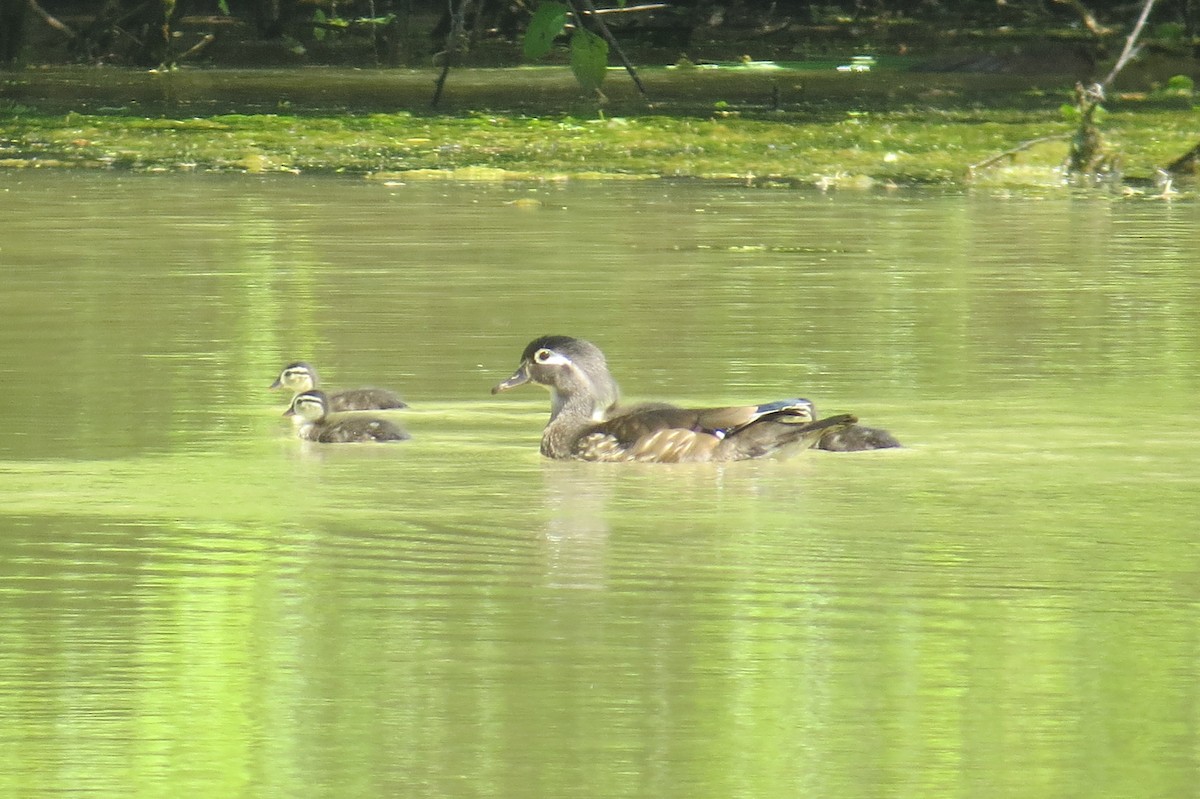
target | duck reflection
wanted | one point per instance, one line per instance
(577, 529)
(585, 503)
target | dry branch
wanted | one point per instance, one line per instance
(1130, 50)
(1010, 153)
(454, 42)
(1086, 17)
(52, 21)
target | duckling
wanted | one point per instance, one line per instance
(301, 376)
(857, 438)
(309, 410)
(586, 422)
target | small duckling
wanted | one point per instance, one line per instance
(857, 438)
(309, 411)
(301, 376)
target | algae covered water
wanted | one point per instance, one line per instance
(197, 603)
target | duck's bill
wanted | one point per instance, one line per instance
(519, 378)
(277, 384)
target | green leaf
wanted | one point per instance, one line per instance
(318, 32)
(547, 23)
(1181, 83)
(589, 59)
(1069, 112)
(223, 7)
(1171, 31)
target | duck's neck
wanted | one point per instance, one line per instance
(570, 414)
(308, 429)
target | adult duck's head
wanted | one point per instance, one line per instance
(574, 371)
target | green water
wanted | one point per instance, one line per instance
(195, 603)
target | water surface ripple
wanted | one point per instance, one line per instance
(195, 603)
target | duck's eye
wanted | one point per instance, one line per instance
(543, 355)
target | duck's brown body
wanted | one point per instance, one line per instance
(680, 435)
(586, 423)
(351, 431)
(301, 377)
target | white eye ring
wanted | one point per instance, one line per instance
(548, 357)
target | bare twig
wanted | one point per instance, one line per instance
(196, 48)
(1010, 153)
(1130, 50)
(51, 20)
(628, 9)
(453, 42)
(1086, 17)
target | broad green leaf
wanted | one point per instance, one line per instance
(1181, 83)
(318, 32)
(547, 23)
(589, 59)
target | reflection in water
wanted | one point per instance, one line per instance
(577, 529)
(194, 602)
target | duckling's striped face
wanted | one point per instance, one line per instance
(309, 406)
(297, 377)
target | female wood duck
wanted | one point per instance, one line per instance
(587, 424)
(301, 377)
(309, 411)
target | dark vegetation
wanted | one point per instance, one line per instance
(980, 34)
(1081, 42)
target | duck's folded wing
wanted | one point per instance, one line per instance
(727, 421)
(777, 437)
(721, 422)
